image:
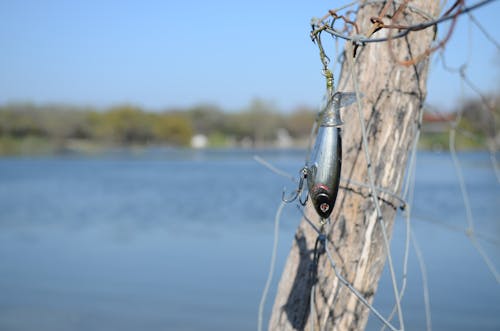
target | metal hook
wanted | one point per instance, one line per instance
(298, 191)
(303, 203)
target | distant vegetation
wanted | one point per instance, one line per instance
(477, 128)
(28, 129)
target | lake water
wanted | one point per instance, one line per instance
(181, 240)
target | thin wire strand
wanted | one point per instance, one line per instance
(307, 219)
(374, 190)
(425, 282)
(494, 161)
(356, 292)
(272, 265)
(465, 79)
(485, 256)
(312, 295)
(311, 307)
(348, 183)
(456, 10)
(341, 278)
(274, 169)
(361, 40)
(484, 31)
(408, 194)
(470, 231)
(457, 229)
(468, 210)
(351, 182)
(460, 177)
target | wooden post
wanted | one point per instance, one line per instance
(391, 105)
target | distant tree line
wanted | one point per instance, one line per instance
(31, 129)
(55, 128)
(478, 126)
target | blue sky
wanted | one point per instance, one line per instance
(162, 54)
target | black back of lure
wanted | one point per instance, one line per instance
(324, 166)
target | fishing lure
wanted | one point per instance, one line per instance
(322, 170)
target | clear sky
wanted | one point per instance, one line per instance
(161, 54)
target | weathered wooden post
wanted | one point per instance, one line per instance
(391, 105)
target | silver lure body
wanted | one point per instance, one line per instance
(324, 165)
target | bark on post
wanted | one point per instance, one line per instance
(392, 102)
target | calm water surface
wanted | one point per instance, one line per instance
(181, 240)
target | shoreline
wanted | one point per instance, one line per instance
(86, 149)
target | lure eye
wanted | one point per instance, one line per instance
(323, 204)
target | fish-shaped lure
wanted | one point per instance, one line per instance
(323, 167)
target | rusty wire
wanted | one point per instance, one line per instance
(326, 24)
(454, 12)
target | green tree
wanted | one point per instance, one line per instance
(299, 122)
(175, 129)
(123, 124)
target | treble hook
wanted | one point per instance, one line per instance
(303, 203)
(298, 191)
